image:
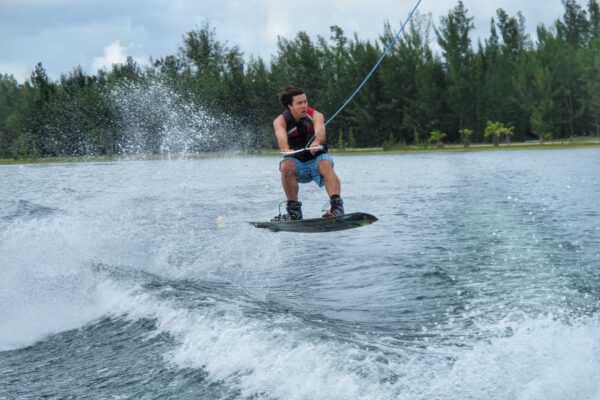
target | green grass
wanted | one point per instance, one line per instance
(55, 160)
(578, 142)
(564, 144)
(91, 159)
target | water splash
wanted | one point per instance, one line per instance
(156, 119)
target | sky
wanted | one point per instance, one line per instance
(64, 34)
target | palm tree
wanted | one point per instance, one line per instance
(493, 129)
(436, 137)
(508, 132)
(466, 134)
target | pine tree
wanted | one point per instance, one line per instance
(453, 38)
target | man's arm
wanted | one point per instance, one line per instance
(281, 134)
(319, 124)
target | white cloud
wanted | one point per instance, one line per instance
(65, 33)
(113, 54)
(278, 22)
(18, 70)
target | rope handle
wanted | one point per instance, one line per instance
(292, 152)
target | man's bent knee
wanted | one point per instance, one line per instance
(325, 166)
(288, 168)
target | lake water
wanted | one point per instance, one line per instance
(142, 279)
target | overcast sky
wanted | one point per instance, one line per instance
(94, 34)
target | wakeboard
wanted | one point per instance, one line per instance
(315, 225)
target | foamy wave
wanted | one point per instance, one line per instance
(283, 358)
(541, 359)
(277, 357)
(48, 284)
(41, 306)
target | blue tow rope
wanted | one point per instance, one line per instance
(387, 50)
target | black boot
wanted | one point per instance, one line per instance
(337, 207)
(294, 209)
(294, 212)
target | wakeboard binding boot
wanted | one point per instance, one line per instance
(294, 212)
(337, 207)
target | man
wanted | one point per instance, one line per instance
(299, 127)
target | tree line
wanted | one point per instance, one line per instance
(462, 92)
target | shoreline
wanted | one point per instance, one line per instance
(409, 149)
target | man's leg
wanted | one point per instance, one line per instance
(289, 180)
(332, 182)
(333, 187)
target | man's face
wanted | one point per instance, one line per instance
(299, 106)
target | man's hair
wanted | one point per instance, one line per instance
(286, 95)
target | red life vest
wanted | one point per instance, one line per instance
(299, 133)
